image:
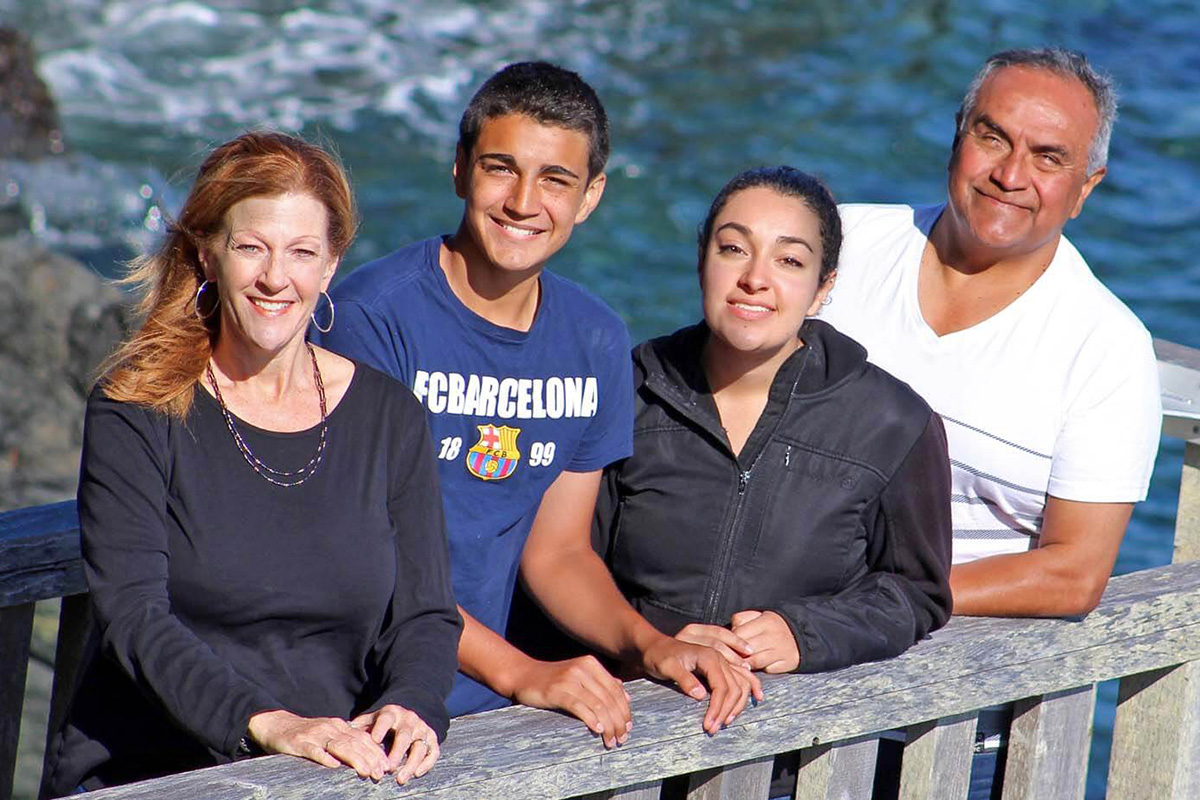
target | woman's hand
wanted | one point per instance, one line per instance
(583, 688)
(775, 649)
(735, 649)
(329, 741)
(414, 744)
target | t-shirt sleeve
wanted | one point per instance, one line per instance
(363, 334)
(609, 436)
(122, 517)
(1105, 451)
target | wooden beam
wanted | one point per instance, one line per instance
(749, 780)
(39, 554)
(840, 771)
(1146, 620)
(1156, 733)
(16, 627)
(937, 759)
(1048, 746)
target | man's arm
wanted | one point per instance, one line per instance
(568, 579)
(1063, 577)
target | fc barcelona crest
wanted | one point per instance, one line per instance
(495, 455)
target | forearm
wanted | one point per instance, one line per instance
(1035, 583)
(577, 591)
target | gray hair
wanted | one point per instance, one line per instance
(1068, 64)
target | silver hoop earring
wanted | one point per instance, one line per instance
(196, 303)
(825, 302)
(316, 324)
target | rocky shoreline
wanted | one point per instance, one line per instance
(58, 319)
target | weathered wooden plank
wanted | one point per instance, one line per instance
(39, 554)
(74, 627)
(841, 771)
(1179, 354)
(1156, 733)
(750, 780)
(937, 759)
(1048, 746)
(16, 626)
(650, 790)
(1187, 518)
(1146, 620)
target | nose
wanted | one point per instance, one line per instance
(1011, 172)
(275, 274)
(524, 199)
(755, 274)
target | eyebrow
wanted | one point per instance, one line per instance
(509, 161)
(994, 127)
(742, 229)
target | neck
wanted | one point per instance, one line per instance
(957, 251)
(503, 297)
(733, 371)
(268, 375)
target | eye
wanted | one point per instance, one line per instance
(1049, 160)
(492, 168)
(247, 248)
(304, 253)
(791, 261)
(729, 247)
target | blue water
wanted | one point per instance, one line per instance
(861, 92)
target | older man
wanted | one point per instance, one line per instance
(1046, 382)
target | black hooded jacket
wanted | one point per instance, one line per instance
(836, 514)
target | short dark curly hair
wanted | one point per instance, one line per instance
(547, 93)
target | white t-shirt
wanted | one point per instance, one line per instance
(1055, 394)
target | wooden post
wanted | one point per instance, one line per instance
(16, 628)
(937, 759)
(750, 780)
(1048, 746)
(639, 791)
(1156, 735)
(837, 771)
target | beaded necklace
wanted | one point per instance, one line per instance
(275, 476)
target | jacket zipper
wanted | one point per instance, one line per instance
(726, 556)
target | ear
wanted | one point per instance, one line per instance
(822, 296)
(210, 274)
(459, 171)
(1092, 182)
(591, 197)
(327, 276)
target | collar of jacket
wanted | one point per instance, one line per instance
(672, 368)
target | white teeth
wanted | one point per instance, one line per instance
(749, 307)
(268, 305)
(518, 231)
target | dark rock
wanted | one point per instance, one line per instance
(29, 126)
(58, 320)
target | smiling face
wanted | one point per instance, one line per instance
(761, 273)
(270, 262)
(526, 187)
(1019, 170)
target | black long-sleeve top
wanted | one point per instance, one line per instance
(219, 595)
(835, 514)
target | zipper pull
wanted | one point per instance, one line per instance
(743, 479)
(787, 456)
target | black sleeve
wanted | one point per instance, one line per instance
(906, 592)
(122, 517)
(417, 652)
(608, 501)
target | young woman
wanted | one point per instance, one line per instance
(262, 528)
(786, 502)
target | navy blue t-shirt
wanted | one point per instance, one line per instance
(509, 410)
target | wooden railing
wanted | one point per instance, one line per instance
(1146, 631)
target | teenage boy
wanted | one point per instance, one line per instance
(527, 381)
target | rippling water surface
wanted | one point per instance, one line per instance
(861, 92)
